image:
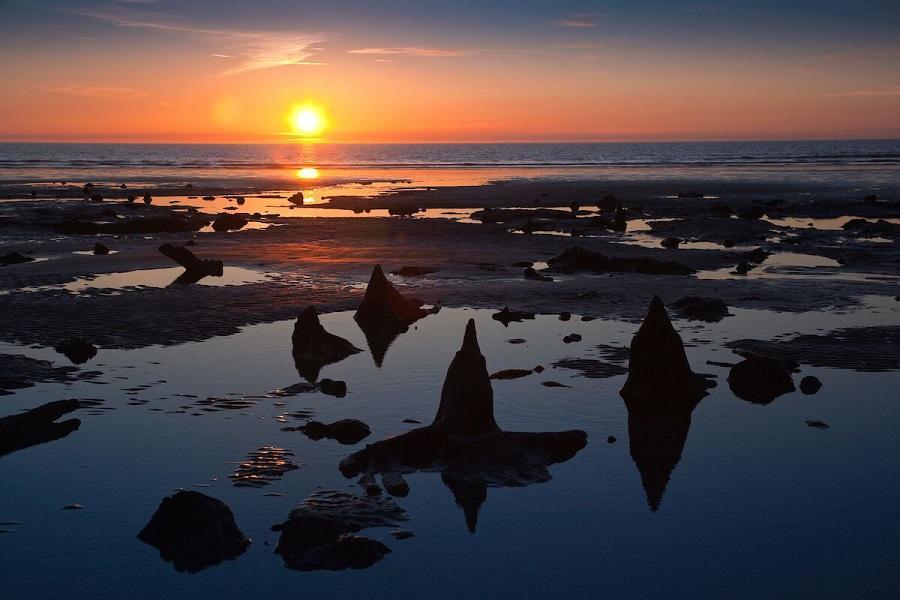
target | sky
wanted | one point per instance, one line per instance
(449, 70)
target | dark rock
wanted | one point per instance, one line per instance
(296, 199)
(719, 209)
(577, 259)
(37, 426)
(530, 273)
(383, 304)
(332, 387)
(14, 258)
(77, 350)
(691, 195)
(697, 308)
(507, 316)
(554, 384)
(194, 531)
(402, 534)
(752, 212)
(817, 424)
(345, 431)
(313, 347)
(395, 485)
(670, 242)
(148, 199)
(743, 268)
(403, 211)
(88, 188)
(760, 379)
(658, 368)
(195, 268)
(506, 374)
(100, 249)
(611, 439)
(411, 271)
(565, 316)
(608, 202)
(227, 222)
(571, 338)
(809, 385)
(96, 197)
(209, 198)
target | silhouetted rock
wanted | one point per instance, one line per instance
(670, 243)
(743, 268)
(148, 199)
(658, 367)
(411, 271)
(511, 374)
(296, 199)
(395, 485)
(14, 258)
(77, 350)
(577, 259)
(809, 385)
(507, 316)
(464, 442)
(403, 211)
(691, 194)
(194, 531)
(100, 249)
(96, 197)
(193, 266)
(333, 387)
(572, 338)
(760, 379)
(319, 533)
(227, 222)
(697, 308)
(37, 426)
(345, 431)
(313, 347)
(817, 424)
(382, 303)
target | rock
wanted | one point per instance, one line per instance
(591, 368)
(345, 431)
(227, 222)
(383, 304)
(332, 387)
(670, 242)
(168, 224)
(608, 202)
(743, 268)
(194, 267)
(530, 273)
(402, 534)
(131, 198)
(507, 316)
(554, 384)
(77, 350)
(100, 249)
(611, 439)
(37, 426)
(753, 212)
(14, 258)
(697, 308)
(313, 347)
(691, 195)
(565, 316)
(577, 259)
(538, 369)
(818, 424)
(395, 485)
(403, 211)
(511, 374)
(571, 338)
(88, 188)
(809, 385)
(414, 271)
(296, 199)
(760, 379)
(319, 533)
(719, 209)
(194, 531)
(96, 197)
(209, 198)
(148, 199)
(658, 368)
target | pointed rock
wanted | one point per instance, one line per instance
(382, 303)
(658, 368)
(467, 399)
(313, 347)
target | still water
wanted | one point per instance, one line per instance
(759, 505)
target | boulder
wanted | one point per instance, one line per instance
(345, 431)
(697, 308)
(194, 531)
(228, 222)
(670, 242)
(148, 199)
(100, 249)
(382, 303)
(77, 350)
(14, 258)
(313, 347)
(296, 199)
(760, 379)
(810, 384)
(332, 387)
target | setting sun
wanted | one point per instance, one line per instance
(307, 120)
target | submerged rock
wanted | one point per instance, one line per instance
(697, 308)
(37, 426)
(345, 431)
(760, 379)
(313, 347)
(77, 350)
(577, 259)
(227, 222)
(465, 443)
(194, 531)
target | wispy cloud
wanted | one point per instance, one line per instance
(252, 50)
(583, 21)
(893, 90)
(414, 51)
(98, 91)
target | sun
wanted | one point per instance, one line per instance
(307, 120)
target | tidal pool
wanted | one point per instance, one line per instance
(758, 505)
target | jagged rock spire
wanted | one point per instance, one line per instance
(382, 303)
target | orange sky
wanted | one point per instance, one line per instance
(162, 76)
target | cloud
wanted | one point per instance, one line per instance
(252, 49)
(893, 90)
(582, 21)
(99, 91)
(414, 51)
